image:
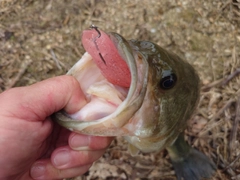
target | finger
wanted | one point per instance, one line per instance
(85, 142)
(44, 170)
(65, 157)
(43, 98)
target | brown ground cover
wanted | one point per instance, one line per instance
(42, 39)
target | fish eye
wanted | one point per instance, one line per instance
(168, 82)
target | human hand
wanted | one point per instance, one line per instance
(34, 147)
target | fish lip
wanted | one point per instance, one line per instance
(111, 125)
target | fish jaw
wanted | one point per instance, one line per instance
(111, 123)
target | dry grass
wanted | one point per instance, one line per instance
(42, 39)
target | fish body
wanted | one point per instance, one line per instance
(148, 99)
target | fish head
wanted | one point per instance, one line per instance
(134, 89)
(170, 99)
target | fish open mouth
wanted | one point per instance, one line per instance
(113, 78)
(102, 97)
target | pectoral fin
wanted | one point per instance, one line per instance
(190, 164)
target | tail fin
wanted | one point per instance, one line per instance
(190, 164)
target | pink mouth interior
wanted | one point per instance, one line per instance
(107, 57)
(103, 75)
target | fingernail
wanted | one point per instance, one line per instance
(80, 142)
(38, 171)
(62, 158)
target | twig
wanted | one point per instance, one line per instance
(232, 163)
(223, 8)
(218, 114)
(211, 85)
(226, 4)
(230, 77)
(55, 59)
(233, 135)
(120, 170)
(58, 63)
(221, 82)
(19, 74)
(77, 51)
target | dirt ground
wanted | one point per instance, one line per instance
(42, 39)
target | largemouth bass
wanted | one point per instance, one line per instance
(140, 91)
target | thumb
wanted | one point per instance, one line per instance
(37, 101)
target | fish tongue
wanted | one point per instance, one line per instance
(107, 58)
(107, 91)
(105, 98)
